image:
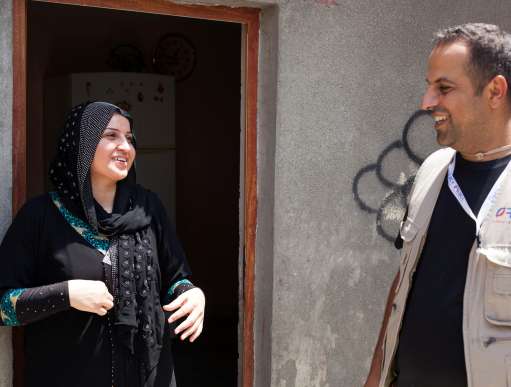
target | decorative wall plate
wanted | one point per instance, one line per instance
(174, 55)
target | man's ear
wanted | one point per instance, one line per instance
(497, 91)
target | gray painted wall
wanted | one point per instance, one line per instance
(338, 80)
(349, 76)
(5, 163)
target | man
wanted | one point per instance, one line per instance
(448, 316)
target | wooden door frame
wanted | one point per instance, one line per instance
(249, 17)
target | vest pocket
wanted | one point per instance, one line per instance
(502, 284)
(497, 292)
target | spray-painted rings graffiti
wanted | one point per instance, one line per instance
(399, 190)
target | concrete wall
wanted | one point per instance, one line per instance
(5, 163)
(339, 79)
(350, 73)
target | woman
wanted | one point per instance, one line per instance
(91, 267)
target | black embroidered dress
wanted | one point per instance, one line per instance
(70, 347)
(51, 241)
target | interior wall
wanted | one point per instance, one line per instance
(207, 132)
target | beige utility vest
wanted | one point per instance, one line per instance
(487, 297)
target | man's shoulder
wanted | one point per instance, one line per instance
(431, 169)
(435, 162)
(439, 157)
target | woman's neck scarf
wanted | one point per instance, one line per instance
(131, 274)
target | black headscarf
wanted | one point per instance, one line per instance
(131, 275)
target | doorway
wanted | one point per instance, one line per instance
(208, 161)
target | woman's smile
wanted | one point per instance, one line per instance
(115, 152)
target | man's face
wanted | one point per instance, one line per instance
(460, 115)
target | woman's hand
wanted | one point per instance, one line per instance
(90, 296)
(191, 303)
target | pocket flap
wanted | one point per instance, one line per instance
(499, 255)
(497, 284)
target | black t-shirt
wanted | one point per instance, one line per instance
(430, 351)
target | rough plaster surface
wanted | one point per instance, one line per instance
(346, 77)
(5, 164)
(350, 74)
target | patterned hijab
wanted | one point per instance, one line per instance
(130, 270)
(70, 170)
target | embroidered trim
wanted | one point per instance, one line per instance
(98, 241)
(172, 289)
(8, 307)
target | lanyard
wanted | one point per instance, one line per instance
(488, 202)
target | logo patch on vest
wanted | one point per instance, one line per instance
(503, 215)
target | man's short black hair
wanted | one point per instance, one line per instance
(490, 51)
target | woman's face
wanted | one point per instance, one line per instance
(115, 152)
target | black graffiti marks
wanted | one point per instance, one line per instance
(390, 209)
